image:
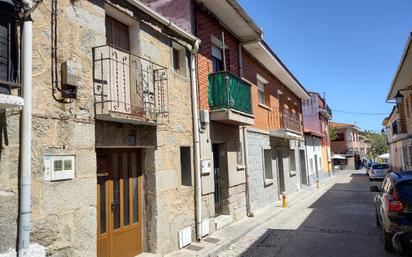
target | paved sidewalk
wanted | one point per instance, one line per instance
(221, 240)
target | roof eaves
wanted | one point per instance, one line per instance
(285, 68)
(235, 5)
(403, 58)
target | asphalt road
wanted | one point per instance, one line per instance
(338, 221)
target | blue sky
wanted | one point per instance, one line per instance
(349, 49)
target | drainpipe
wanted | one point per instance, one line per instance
(246, 154)
(195, 110)
(25, 177)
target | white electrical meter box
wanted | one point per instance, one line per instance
(206, 166)
(204, 116)
(58, 167)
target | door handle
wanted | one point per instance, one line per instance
(114, 205)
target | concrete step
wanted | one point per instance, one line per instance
(222, 221)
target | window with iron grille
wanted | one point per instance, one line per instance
(9, 61)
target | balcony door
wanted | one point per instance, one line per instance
(117, 35)
(119, 212)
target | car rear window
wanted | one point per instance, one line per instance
(380, 166)
(405, 190)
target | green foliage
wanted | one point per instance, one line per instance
(378, 144)
(332, 133)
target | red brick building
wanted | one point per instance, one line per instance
(250, 111)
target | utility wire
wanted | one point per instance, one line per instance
(362, 113)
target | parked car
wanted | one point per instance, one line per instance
(368, 166)
(378, 171)
(393, 205)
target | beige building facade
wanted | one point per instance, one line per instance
(399, 123)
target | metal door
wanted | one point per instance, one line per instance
(218, 179)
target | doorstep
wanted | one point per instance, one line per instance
(149, 255)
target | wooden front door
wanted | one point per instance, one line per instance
(119, 212)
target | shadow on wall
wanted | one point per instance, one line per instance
(339, 224)
(4, 140)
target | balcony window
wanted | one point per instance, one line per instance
(129, 88)
(217, 58)
(117, 34)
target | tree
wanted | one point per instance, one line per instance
(378, 144)
(332, 133)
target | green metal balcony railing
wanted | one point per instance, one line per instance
(227, 91)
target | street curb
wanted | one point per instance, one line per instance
(213, 252)
(274, 211)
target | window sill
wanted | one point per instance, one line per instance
(264, 106)
(240, 167)
(180, 76)
(292, 173)
(268, 182)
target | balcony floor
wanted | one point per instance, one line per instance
(124, 118)
(10, 101)
(286, 133)
(232, 117)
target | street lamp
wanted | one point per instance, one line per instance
(399, 98)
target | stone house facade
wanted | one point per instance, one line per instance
(112, 165)
(316, 117)
(399, 123)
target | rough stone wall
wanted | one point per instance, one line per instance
(9, 167)
(168, 205)
(234, 202)
(64, 213)
(260, 194)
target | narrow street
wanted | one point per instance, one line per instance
(337, 220)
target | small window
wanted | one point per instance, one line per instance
(261, 92)
(292, 163)
(176, 64)
(179, 60)
(185, 166)
(267, 162)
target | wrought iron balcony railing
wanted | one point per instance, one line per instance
(227, 91)
(129, 85)
(290, 120)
